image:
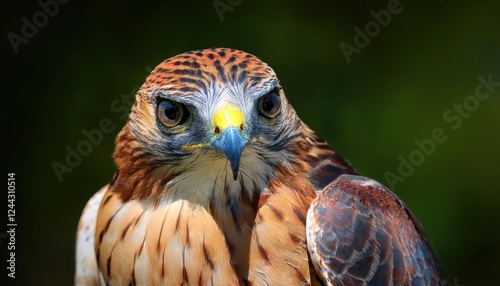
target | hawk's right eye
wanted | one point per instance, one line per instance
(171, 113)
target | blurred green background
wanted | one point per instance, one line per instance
(394, 91)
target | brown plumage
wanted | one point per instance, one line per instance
(215, 177)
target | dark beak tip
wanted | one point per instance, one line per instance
(234, 163)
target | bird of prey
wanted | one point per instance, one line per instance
(219, 182)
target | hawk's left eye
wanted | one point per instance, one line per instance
(269, 105)
(171, 113)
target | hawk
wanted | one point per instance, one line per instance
(219, 182)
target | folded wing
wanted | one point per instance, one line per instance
(360, 233)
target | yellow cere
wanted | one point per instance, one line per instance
(228, 116)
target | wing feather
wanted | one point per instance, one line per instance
(360, 233)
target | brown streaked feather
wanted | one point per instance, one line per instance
(149, 252)
(360, 233)
(278, 240)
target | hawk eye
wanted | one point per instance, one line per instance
(171, 113)
(270, 104)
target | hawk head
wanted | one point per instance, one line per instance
(204, 120)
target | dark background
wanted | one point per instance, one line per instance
(428, 58)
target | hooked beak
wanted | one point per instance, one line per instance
(231, 144)
(228, 125)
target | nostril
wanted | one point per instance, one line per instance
(241, 126)
(217, 130)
